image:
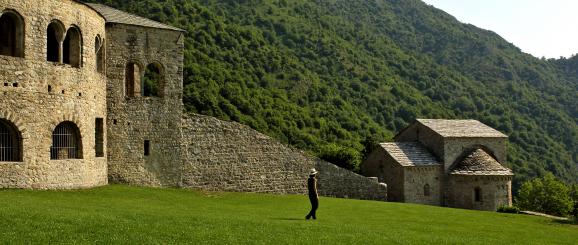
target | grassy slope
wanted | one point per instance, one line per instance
(121, 214)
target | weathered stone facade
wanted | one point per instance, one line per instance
(134, 119)
(227, 156)
(37, 95)
(91, 94)
(455, 163)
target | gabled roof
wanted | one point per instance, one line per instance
(461, 128)
(112, 15)
(479, 162)
(409, 154)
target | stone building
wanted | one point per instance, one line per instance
(454, 163)
(92, 95)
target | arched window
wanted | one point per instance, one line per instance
(153, 81)
(54, 35)
(72, 47)
(66, 142)
(11, 34)
(99, 51)
(426, 191)
(132, 80)
(478, 194)
(10, 142)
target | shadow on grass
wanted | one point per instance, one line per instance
(290, 219)
(566, 222)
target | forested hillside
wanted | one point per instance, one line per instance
(332, 76)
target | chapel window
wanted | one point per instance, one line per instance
(132, 80)
(11, 34)
(10, 142)
(54, 35)
(66, 142)
(478, 194)
(99, 51)
(72, 47)
(426, 190)
(153, 81)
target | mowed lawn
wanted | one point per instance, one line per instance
(123, 214)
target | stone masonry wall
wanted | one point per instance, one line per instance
(415, 180)
(227, 156)
(75, 94)
(381, 165)
(496, 191)
(134, 120)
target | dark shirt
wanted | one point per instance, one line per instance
(312, 187)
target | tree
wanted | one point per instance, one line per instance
(574, 196)
(546, 195)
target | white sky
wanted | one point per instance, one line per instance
(546, 28)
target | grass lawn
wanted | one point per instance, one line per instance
(123, 214)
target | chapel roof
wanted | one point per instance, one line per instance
(461, 128)
(479, 162)
(112, 15)
(409, 154)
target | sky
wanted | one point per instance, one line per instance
(543, 28)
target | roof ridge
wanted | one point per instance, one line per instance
(113, 15)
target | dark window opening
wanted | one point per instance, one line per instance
(426, 190)
(10, 142)
(99, 137)
(11, 34)
(66, 142)
(99, 51)
(114, 121)
(72, 48)
(478, 194)
(49, 89)
(132, 80)
(147, 147)
(153, 80)
(54, 36)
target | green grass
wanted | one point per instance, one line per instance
(122, 214)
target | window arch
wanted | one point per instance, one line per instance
(10, 142)
(132, 80)
(99, 51)
(153, 81)
(478, 194)
(426, 190)
(72, 47)
(66, 142)
(54, 35)
(11, 34)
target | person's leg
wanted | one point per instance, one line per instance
(314, 206)
(311, 212)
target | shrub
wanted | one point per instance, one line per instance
(508, 209)
(546, 195)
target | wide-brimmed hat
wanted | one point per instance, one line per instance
(313, 172)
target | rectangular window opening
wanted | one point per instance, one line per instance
(147, 147)
(99, 137)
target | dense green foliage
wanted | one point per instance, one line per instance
(327, 75)
(133, 215)
(545, 195)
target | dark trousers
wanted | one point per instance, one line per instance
(314, 205)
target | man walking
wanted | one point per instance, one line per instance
(313, 197)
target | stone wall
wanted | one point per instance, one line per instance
(381, 165)
(134, 119)
(495, 192)
(416, 178)
(454, 148)
(36, 95)
(227, 156)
